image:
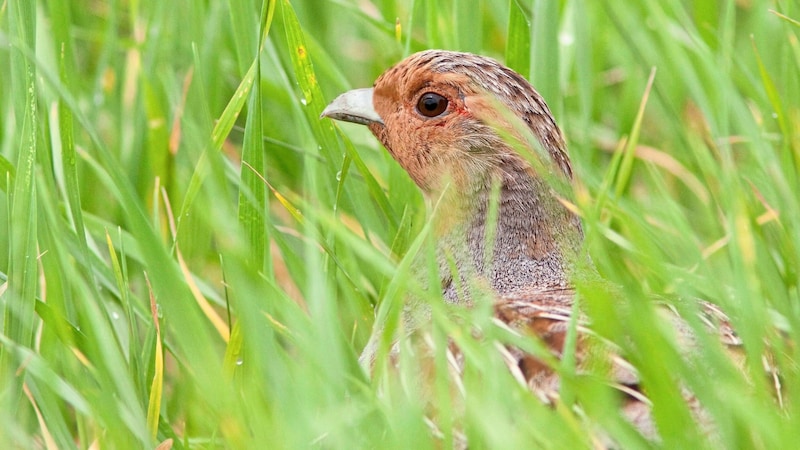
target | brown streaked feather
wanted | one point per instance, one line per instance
(547, 315)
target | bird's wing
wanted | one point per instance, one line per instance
(547, 314)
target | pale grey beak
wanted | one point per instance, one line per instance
(353, 106)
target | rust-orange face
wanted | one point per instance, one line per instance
(436, 112)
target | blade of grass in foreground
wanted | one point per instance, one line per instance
(253, 199)
(157, 385)
(20, 299)
(620, 170)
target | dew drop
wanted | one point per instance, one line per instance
(239, 362)
(115, 315)
(304, 101)
(339, 176)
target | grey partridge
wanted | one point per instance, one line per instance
(478, 139)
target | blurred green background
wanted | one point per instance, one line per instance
(189, 256)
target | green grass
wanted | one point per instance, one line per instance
(166, 186)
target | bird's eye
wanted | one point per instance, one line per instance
(431, 104)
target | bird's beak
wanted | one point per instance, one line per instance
(353, 106)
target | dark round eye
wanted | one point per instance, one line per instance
(431, 104)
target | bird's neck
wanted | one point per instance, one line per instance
(506, 229)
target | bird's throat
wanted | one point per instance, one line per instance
(507, 230)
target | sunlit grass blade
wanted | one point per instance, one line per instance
(624, 172)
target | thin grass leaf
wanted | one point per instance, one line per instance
(157, 385)
(253, 200)
(624, 173)
(786, 18)
(49, 442)
(121, 275)
(300, 218)
(70, 335)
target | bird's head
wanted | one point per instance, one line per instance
(467, 128)
(449, 117)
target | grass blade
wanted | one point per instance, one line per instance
(20, 298)
(157, 385)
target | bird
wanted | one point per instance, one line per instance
(480, 141)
